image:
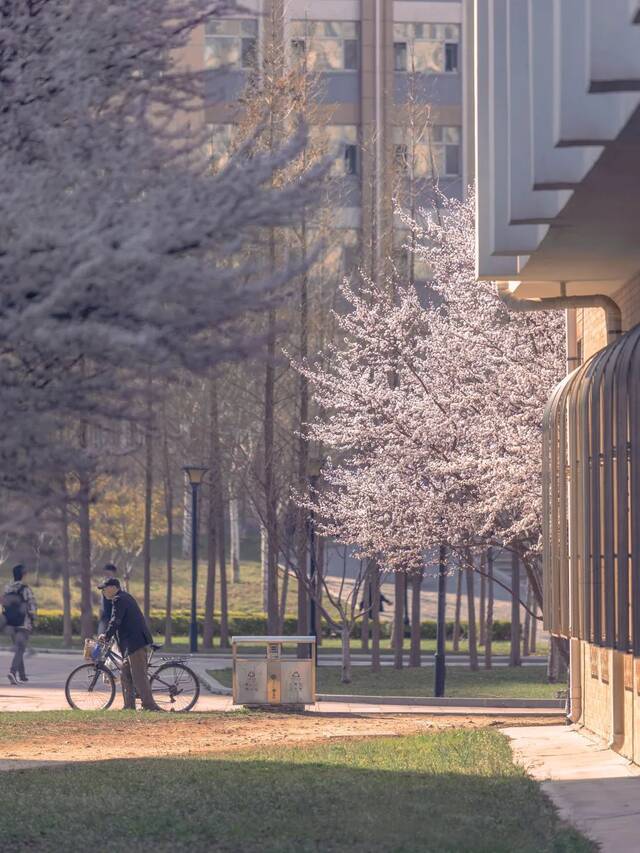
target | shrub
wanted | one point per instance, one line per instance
(50, 622)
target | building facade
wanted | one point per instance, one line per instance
(558, 138)
(377, 60)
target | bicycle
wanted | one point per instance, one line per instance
(92, 686)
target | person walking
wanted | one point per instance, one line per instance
(109, 571)
(19, 613)
(128, 625)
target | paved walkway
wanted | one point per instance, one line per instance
(594, 788)
(48, 673)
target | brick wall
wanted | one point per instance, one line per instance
(590, 323)
(627, 745)
(628, 298)
(592, 330)
(596, 693)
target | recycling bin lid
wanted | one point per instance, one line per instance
(248, 638)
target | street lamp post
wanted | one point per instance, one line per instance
(441, 624)
(195, 473)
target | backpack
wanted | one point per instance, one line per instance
(14, 607)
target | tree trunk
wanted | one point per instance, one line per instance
(483, 599)
(471, 606)
(398, 620)
(168, 512)
(366, 610)
(415, 657)
(186, 517)
(488, 647)
(234, 537)
(346, 654)
(514, 656)
(283, 597)
(264, 565)
(84, 524)
(271, 514)
(303, 570)
(534, 629)
(224, 600)
(168, 624)
(208, 626)
(302, 522)
(218, 493)
(67, 628)
(374, 580)
(526, 631)
(557, 660)
(456, 617)
(148, 505)
(322, 557)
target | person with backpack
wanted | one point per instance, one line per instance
(19, 612)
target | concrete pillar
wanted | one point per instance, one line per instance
(575, 680)
(616, 686)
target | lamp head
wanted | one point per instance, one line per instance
(195, 473)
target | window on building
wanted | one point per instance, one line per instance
(400, 55)
(451, 56)
(231, 43)
(327, 45)
(298, 49)
(220, 145)
(350, 159)
(341, 253)
(339, 141)
(435, 155)
(430, 48)
(401, 156)
(406, 260)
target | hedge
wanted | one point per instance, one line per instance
(50, 622)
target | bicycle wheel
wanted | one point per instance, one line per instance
(175, 687)
(90, 687)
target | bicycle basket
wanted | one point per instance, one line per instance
(91, 649)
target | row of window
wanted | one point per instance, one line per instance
(437, 154)
(334, 45)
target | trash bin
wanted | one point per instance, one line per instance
(274, 677)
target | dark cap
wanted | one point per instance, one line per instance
(109, 582)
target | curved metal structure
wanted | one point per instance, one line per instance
(591, 500)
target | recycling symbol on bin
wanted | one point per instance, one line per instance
(250, 683)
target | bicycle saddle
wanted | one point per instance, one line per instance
(156, 646)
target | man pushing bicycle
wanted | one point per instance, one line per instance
(129, 627)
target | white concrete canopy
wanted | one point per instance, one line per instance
(558, 122)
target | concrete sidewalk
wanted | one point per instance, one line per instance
(48, 673)
(595, 789)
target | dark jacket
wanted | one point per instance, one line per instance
(128, 625)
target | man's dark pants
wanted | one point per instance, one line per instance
(134, 679)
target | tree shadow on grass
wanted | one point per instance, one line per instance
(354, 797)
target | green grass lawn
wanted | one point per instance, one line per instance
(504, 683)
(243, 596)
(446, 792)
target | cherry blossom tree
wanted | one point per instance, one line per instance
(434, 406)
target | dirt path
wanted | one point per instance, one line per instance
(68, 741)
